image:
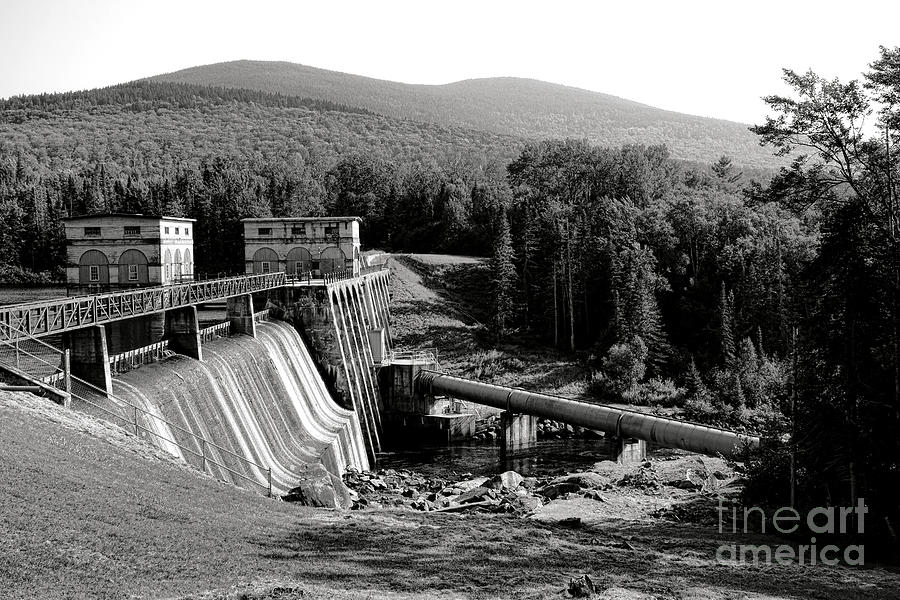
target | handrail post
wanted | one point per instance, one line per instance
(270, 481)
(203, 455)
(67, 370)
(135, 421)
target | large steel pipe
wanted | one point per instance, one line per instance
(631, 424)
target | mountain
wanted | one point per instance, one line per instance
(506, 105)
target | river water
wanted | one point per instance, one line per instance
(548, 457)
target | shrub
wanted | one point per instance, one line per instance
(655, 392)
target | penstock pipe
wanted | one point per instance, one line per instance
(662, 431)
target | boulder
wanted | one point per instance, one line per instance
(587, 479)
(555, 490)
(581, 587)
(474, 495)
(470, 483)
(317, 487)
(508, 480)
(526, 504)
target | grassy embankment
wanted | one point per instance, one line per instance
(89, 511)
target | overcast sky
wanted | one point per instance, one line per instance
(712, 58)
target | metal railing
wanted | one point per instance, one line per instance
(218, 330)
(424, 355)
(261, 315)
(81, 390)
(132, 359)
(55, 316)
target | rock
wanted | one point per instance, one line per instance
(581, 587)
(526, 504)
(594, 495)
(529, 483)
(555, 490)
(585, 480)
(317, 487)
(408, 492)
(508, 480)
(378, 483)
(473, 495)
(693, 480)
(469, 484)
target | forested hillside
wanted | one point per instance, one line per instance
(505, 105)
(217, 155)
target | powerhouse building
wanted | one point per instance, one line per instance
(302, 245)
(118, 251)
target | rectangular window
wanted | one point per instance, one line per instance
(331, 232)
(177, 231)
(187, 231)
(266, 266)
(265, 231)
(92, 232)
(132, 272)
(131, 230)
(166, 229)
(94, 273)
(296, 230)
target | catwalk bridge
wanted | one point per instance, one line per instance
(36, 319)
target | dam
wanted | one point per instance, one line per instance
(253, 378)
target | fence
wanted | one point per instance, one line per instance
(132, 359)
(218, 330)
(56, 316)
(425, 355)
(37, 358)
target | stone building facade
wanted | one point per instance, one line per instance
(119, 251)
(300, 245)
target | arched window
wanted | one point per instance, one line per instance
(188, 262)
(167, 266)
(299, 261)
(133, 268)
(265, 260)
(332, 259)
(177, 265)
(93, 268)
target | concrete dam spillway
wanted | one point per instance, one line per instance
(260, 398)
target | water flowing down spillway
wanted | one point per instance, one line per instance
(260, 398)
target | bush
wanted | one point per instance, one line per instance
(656, 392)
(622, 368)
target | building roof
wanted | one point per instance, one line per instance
(300, 219)
(128, 216)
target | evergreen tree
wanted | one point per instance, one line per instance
(503, 278)
(726, 329)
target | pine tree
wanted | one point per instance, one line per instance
(726, 329)
(503, 277)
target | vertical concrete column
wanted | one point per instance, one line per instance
(89, 356)
(517, 432)
(239, 311)
(627, 450)
(183, 331)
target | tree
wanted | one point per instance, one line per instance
(503, 277)
(848, 409)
